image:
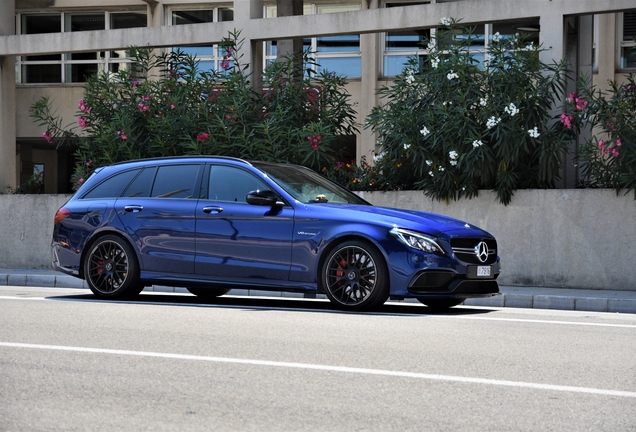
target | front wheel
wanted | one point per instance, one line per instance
(111, 269)
(355, 276)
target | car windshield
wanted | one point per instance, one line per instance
(307, 186)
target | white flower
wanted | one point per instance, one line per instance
(434, 62)
(447, 103)
(451, 75)
(429, 163)
(477, 143)
(410, 79)
(431, 173)
(483, 101)
(378, 157)
(407, 146)
(492, 121)
(530, 47)
(453, 162)
(441, 169)
(432, 45)
(452, 154)
(496, 37)
(424, 131)
(445, 21)
(511, 109)
(534, 133)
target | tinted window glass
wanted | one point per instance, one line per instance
(175, 181)
(142, 185)
(232, 184)
(113, 186)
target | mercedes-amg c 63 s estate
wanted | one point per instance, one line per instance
(211, 224)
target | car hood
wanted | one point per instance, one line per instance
(429, 223)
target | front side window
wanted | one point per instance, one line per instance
(74, 67)
(231, 184)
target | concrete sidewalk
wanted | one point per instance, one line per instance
(512, 296)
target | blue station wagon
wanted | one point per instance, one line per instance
(211, 224)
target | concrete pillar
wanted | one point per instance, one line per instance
(252, 50)
(8, 160)
(371, 60)
(606, 50)
(289, 46)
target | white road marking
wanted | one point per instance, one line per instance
(341, 369)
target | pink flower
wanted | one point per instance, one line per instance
(580, 104)
(146, 98)
(143, 107)
(135, 84)
(122, 135)
(82, 122)
(566, 120)
(572, 96)
(614, 152)
(80, 181)
(83, 106)
(47, 136)
(230, 118)
(601, 144)
(618, 143)
(225, 65)
(202, 137)
(172, 106)
(89, 163)
(314, 146)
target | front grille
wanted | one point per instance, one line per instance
(465, 249)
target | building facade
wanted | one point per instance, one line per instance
(50, 47)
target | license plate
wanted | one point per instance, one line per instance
(483, 271)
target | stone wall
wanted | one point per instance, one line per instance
(575, 238)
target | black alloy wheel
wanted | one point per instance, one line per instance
(208, 293)
(355, 276)
(111, 269)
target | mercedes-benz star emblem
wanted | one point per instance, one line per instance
(481, 250)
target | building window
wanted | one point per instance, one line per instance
(73, 67)
(628, 41)
(339, 54)
(209, 56)
(399, 46)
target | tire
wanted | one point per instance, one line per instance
(208, 293)
(111, 269)
(355, 276)
(441, 304)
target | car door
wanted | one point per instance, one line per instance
(158, 211)
(237, 241)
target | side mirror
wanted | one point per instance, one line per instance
(264, 198)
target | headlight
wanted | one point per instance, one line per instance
(417, 241)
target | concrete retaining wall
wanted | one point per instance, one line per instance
(575, 238)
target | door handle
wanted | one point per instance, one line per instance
(212, 210)
(133, 208)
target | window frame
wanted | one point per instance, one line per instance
(104, 59)
(622, 44)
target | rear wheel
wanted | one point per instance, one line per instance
(208, 293)
(111, 269)
(355, 276)
(441, 304)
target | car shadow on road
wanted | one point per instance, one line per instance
(272, 303)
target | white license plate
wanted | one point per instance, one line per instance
(483, 271)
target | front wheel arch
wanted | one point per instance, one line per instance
(354, 274)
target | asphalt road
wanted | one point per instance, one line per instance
(172, 362)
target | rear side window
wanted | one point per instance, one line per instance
(175, 181)
(232, 184)
(141, 186)
(112, 187)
